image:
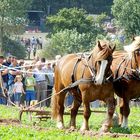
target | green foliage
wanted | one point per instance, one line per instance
(74, 31)
(12, 17)
(92, 6)
(127, 14)
(68, 41)
(14, 47)
(72, 18)
(12, 14)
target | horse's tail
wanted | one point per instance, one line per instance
(54, 102)
(54, 105)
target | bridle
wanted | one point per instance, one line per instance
(108, 72)
(93, 70)
(136, 53)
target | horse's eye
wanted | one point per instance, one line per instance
(99, 62)
(138, 52)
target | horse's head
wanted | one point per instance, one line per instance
(103, 60)
(134, 52)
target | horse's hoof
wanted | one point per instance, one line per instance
(83, 129)
(60, 125)
(103, 130)
(124, 126)
(72, 128)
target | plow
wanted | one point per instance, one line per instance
(43, 115)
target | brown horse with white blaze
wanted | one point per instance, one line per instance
(126, 70)
(90, 74)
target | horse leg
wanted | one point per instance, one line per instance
(74, 110)
(121, 110)
(87, 113)
(111, 104)
(125, 113)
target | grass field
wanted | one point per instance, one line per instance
(11, 129)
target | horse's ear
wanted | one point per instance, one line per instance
(114, 48)
(99, 45)
(133, 38)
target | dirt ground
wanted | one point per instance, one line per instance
(85, 133)
(9, 121)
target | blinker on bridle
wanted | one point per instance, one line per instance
(137, 52)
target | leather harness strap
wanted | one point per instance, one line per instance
(126, 76)
(74, 70)
(118, 68)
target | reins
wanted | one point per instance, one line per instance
(92, 72)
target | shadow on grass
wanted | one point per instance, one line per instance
(117, 129)
(131, 130)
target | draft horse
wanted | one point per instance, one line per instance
(90, 75)
(126, 70)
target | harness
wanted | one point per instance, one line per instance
(92, 70)
(75, 82)
(74, 70)
(124, 74)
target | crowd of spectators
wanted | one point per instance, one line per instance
(24, 83)
(32, 45)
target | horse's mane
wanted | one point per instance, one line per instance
(125, 63)
(121, 53)
(134, 45)
(128, 50)
(102, 54)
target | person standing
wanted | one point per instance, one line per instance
(41, 82)
(7, 63)
(40, 42)
(50, 74)
(13, 71)
(3, 85)
(30, 84)
(18, 89)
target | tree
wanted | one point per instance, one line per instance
(91, 6)
(72, 18)
(67, 41)
(14, 47)
(127, 14)
(73, 31)
(12, 17)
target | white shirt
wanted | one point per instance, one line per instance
(39, 76)
(18, 86)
